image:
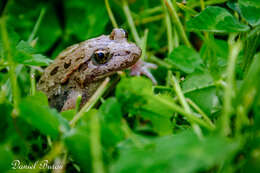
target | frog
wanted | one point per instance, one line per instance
(81, 68)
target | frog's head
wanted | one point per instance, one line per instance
(109, 54)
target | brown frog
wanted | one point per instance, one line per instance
(80, 69)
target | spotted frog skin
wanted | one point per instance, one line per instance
(81, 68)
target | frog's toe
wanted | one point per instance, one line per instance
(143, 68)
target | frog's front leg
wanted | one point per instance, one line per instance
(142, 67)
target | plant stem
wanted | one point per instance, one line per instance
(37, 25)
(58, 148)
(173, 81)
(91, 102)
(159, 61)
(177, 22)
(202, 5)
(209, 2)
(144, 44)
(186, 8)
(129, 134)
(234, 49)
(168, 28)
(32, 81)
(198, 109)
(110, 14)
(191, 117)
(30, 40)
(149, 19)
(95, 145)
(130, 22)
(151, 11)
(12, 66)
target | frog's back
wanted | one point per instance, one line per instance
(58, 73)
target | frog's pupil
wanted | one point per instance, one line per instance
(100, 55)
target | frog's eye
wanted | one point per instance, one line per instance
(100, 57)
(118, 34)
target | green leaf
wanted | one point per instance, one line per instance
(26, 55)
(185, 59)
(77, 140)
(180, 153)
(24, 46)
(35, 111)
(219, 48)
(136, 97)
(24, 12)
(216, 19)
(250, 10)
(69, 114)
(197, 81)
(6, 121)
(130, 93)
(234, 6)
(6, 158)
(200, 88)
(84, 22)
(35, 60)
(110, 118)
(78, 144)
(13, 39)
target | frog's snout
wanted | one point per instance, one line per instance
(136, 51)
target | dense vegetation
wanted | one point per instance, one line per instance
(202, 116)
